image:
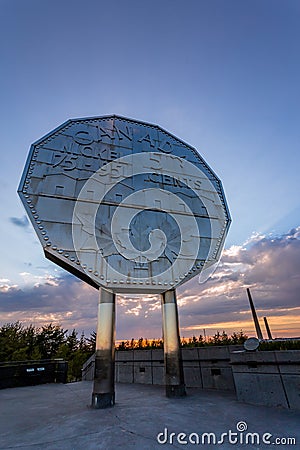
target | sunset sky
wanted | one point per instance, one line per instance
(223, 77)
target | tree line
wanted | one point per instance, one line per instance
(20, 343)
(201, 341)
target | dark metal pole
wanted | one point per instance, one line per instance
(268, 328)
(104, 378)
(254, 315)
(174, 377)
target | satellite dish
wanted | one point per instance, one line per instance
(251, 344)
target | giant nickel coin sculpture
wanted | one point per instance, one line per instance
(128, 208)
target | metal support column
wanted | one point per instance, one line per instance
(104, 378)
(174, 378)
(254, 315)
(268, 328)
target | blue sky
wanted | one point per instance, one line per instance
(221, 75)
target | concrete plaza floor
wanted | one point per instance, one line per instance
(57, 416)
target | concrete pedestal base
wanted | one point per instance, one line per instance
(101, 401)
(175, 391)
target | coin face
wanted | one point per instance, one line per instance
(124, 204)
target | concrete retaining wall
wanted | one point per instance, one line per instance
(260, 377)
(207, 367)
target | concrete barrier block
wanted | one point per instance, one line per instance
(288, 361)
(217, 377)
(142, 355)
(260, 389)
(124, 355)
(254, 362)
(190, 354)
(192, 374)
(214, 352)
(292, 388)
(124, 372)
(157, 355)
(143, 372)
(256, 356)
(158, 374)
(215, 367)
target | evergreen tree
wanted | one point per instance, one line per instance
(49, 340)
